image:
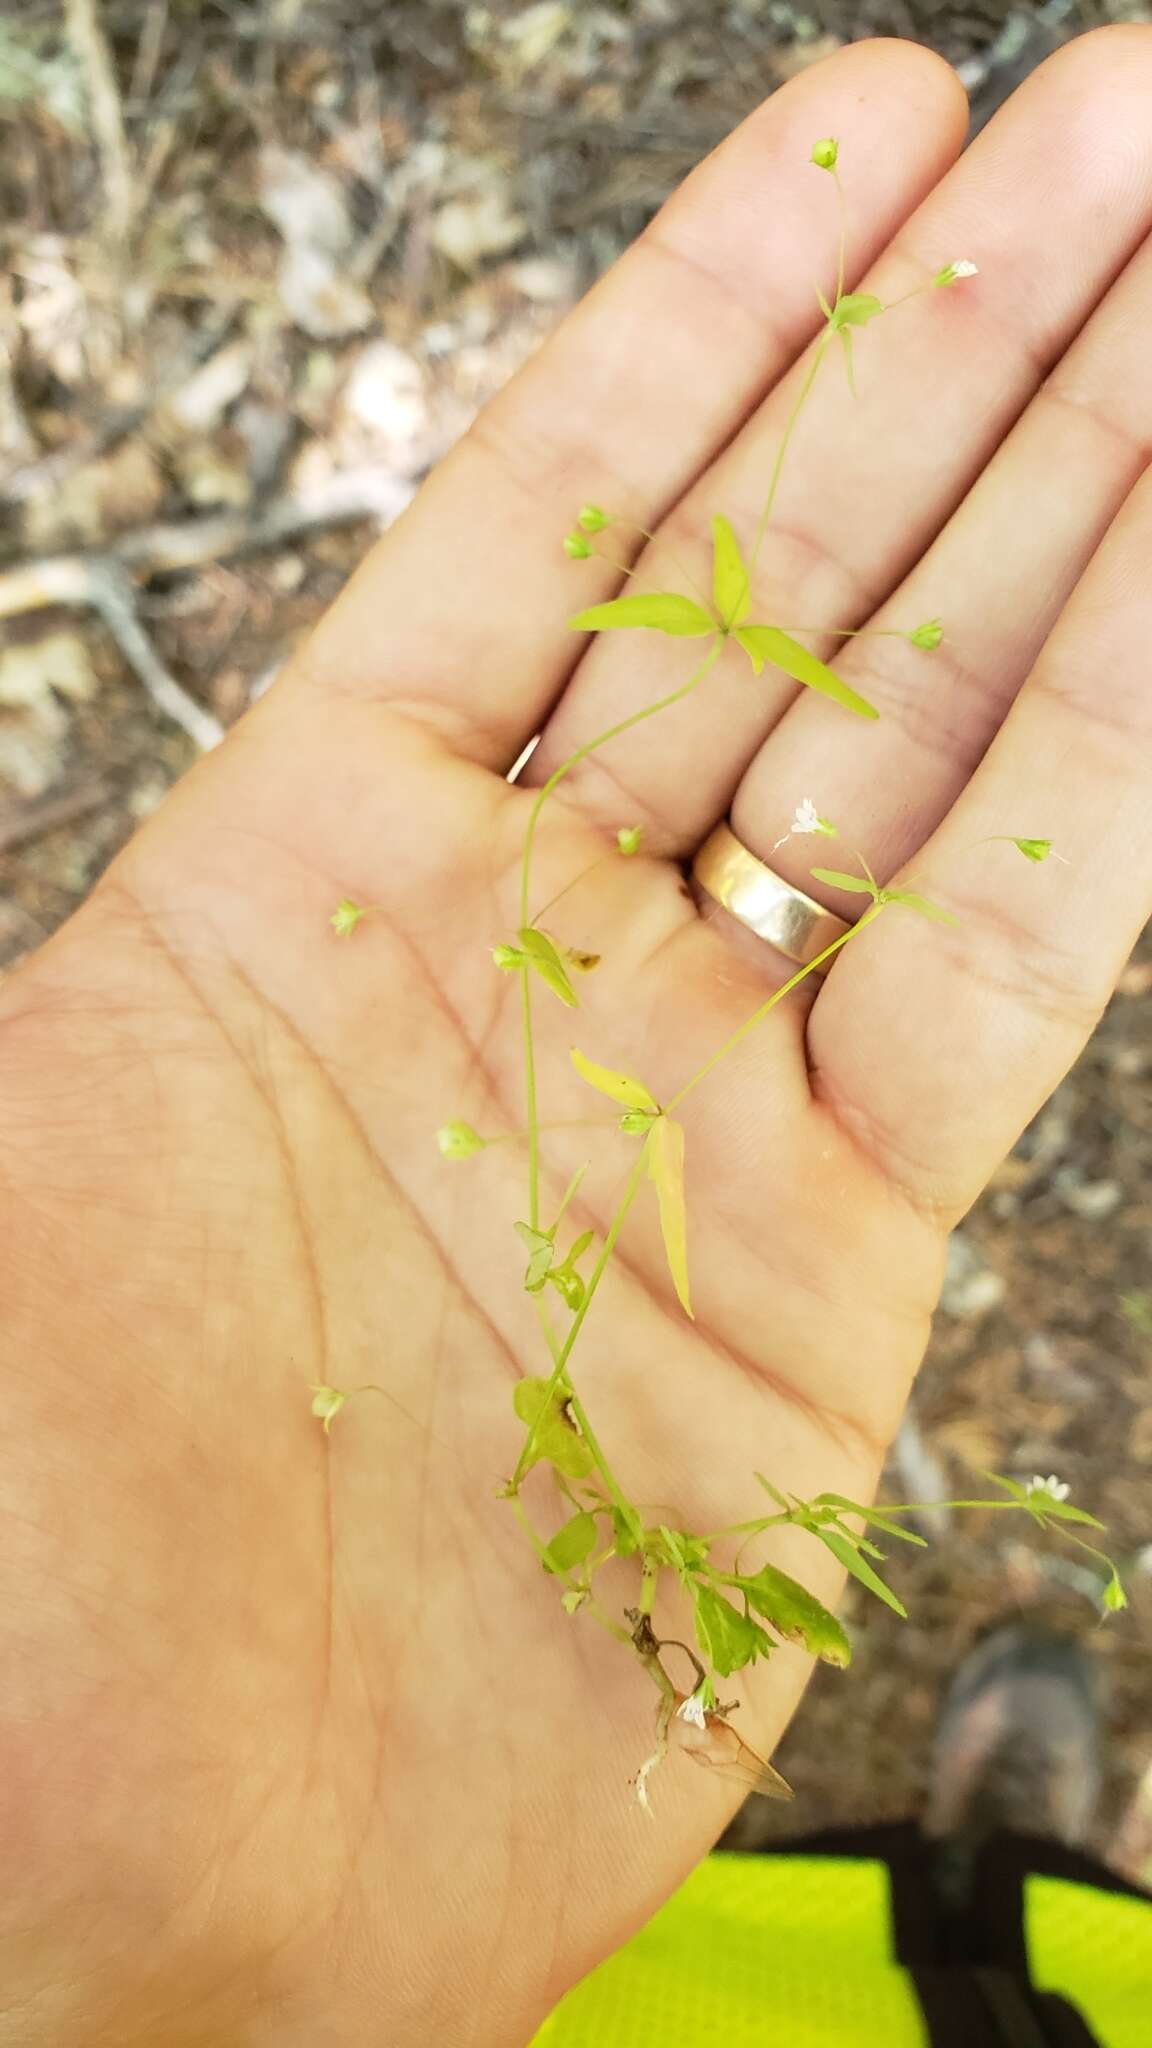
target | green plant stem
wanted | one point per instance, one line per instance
(565, 1351)
(565, 768)
(774, 480)
(573, 884)
(757, 1016)
(843, 242)
(592, 747)
(530, 1101)
(615, 1494)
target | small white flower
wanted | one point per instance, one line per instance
(1056, 1489)
(964, 268)
(807, 819)
(692, 1709)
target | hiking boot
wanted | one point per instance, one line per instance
(1017, 1748)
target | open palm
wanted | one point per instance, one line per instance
(298, 1746)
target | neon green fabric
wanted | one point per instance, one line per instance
(1096, 1948)
(793, 1949)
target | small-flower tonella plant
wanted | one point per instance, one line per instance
(734, 1614)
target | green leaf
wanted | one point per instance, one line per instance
(843, 1548)
(665, 610)
(875, 1516)
(856, 309)
(541, 1253)
(769, 643)
(1063, 1511)
(673, 1551)
(557, 1442)
(621, 1087)
(728, 1639)
(836, 880)
(912, 900)
(781, 1499)
(569, 1286)
(665, 1149)
(794, 1613)
(571, 1544)
(545, 958)
(731, 583)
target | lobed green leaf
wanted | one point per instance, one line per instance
(728, 1638)
(794, 1612)
(557, 1443)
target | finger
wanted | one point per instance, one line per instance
(460, 614)
(1001, 571)
(868, 485)
(935, 1047)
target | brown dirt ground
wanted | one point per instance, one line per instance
(553, 165)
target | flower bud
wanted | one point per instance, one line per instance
(592, 519)
(327, 1403)
(458, 1140)
(509, 958)
(345, 918)
(825, 153)
(952, 273)
(628, 838)
(929, 635)
(637, 1121)
(576, 547)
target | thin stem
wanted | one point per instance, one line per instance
(592, 747)
(590, 1602)
(851, 632)
(565, 1351)
(843, 236)
(616, 1495)
(531, 1109)
(573, 884)
(757, 1016)
(677, 564)
(781, 452)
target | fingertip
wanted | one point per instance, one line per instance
(889, 67)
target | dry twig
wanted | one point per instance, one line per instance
(105, 581)
(87, 37)
(21, 823)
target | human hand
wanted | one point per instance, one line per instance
(298, 1747)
